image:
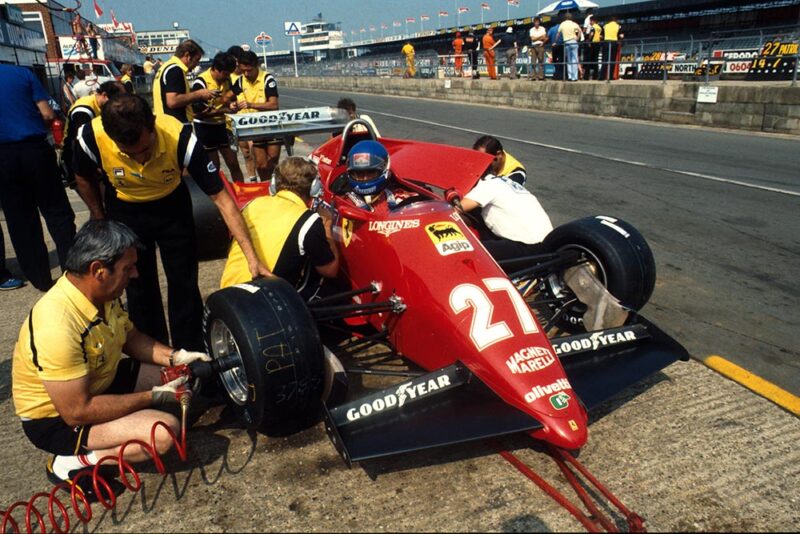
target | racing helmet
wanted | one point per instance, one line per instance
(368, 156)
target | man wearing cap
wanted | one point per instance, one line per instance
(509, 42)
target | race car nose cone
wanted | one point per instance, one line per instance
(564, 433)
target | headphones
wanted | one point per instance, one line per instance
(316, 186)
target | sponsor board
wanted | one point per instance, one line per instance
(538, 392)
(559, 401)
(387, 228)
(405, 392)
(448, 238)
(529, 360)
(596, 340)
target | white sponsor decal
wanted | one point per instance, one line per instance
(537, 392)
(399, 397)
(211, 168)
(593, 342)
(452, 247)
(277, 117)
(530, 359)
(387, 228)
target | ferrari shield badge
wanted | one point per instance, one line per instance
(347, 231)
(448, 238)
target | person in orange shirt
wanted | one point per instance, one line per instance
(488, 43)
(458, 45)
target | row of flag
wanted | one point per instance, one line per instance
(423, 18)
(98, 12)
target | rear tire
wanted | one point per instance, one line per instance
(267, 324)
(619, 255)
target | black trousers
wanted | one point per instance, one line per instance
(558, 62)
(165, 223)
(473, 61)
(29, 184)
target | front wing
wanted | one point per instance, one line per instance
(451, 405)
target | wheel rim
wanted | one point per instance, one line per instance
(223, 345)
(594, 262)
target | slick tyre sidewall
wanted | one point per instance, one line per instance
(627, 267)
(280, 348)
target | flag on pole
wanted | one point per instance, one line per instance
(463, 10)
(372, 28)
(443, 13)
(485, 6)
(384, 26)
(411, 20)
(424, 17)
(514, 3)
(97, 11)
(114, 20)
(363, 30)
(397, 23)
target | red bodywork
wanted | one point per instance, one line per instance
(460, 304)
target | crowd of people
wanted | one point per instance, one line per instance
(588, 52)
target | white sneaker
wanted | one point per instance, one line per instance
(603, 309)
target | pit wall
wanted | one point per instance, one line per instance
(774, 109)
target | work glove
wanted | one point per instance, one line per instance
(184, 357)
(163, 395)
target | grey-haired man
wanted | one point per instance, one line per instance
(78, 398)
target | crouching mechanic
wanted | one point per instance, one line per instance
(371, 182)
(77, 396)
(294, 242)
(518, 225)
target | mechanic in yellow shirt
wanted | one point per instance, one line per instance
(141, 158)
(78, 398)
(411, 64)
(504, 164)
(171, 94)
(294, 242)
(257, 90)
(209, 117)
(612, 34)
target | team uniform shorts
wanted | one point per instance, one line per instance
(211, 136)
(53, 435)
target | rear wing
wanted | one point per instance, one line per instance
(285, 124)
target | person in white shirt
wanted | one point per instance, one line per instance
(538, 37)
(513, 215)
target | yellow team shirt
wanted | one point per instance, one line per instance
(269, 220)
(147, 66)
(158, 102)
(216, 103)
(408, 50)
(135, 182)
(253, 91)
(611, 31)
(511, 165)
(598, 33)
(71, 341)
(88, 101)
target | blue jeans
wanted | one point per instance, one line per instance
(571, 57)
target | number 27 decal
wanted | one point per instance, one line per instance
(482, 331)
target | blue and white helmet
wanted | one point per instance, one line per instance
(368, 156)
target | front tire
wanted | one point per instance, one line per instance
(268, 327)
(617, 253)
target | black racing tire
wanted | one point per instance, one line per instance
(269, 326)
(620, 255)
(213, 238)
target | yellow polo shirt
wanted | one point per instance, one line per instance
(611, 31)
(64, 339)
(159, 97)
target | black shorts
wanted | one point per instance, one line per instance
(212, 136)
(53, 435)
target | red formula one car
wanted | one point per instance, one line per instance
(475, 349)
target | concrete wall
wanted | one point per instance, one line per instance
(744, 106)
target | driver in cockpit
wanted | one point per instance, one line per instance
(372, 184)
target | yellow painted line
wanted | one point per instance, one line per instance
(755, 383)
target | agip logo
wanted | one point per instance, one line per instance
(448, 238)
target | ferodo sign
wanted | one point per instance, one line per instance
(736, 67)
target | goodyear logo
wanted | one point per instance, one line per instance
(448, 238)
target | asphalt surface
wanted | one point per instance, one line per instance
(686, 449)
